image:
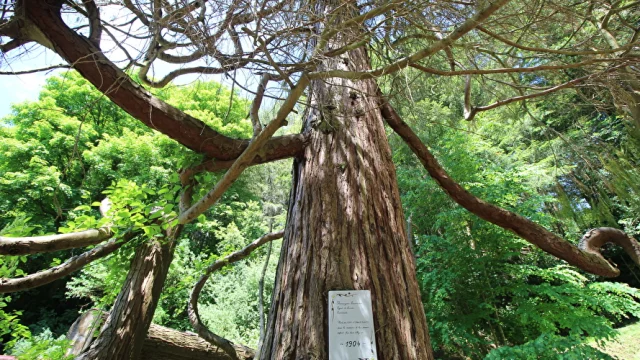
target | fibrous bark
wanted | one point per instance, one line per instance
(124, 332)
(345, 228)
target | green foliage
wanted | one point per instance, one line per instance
(10, 326)
(43, 346)
(10, 323)
(548, 346)
(486, 292)
(209, 102)
(484, 287)
(231, 304)
(68, 150)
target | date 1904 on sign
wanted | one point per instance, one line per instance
(351, 326)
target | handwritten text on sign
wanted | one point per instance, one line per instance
(351, 332)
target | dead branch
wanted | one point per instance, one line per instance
(73, 264)
(153, 112)
(31, 71)
(447, 41)
(194, 316)
(50, 243)
(247, 156)
(552, 51)
(471, 111)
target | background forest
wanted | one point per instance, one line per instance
(566, 161)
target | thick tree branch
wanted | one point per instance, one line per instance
(587, 257)
(139, 103)
(247, 156)
(21, 31)
(50, 243)
(12, 45)
(194, 316)
(593, 240)
(73, 264)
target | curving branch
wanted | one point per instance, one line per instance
(247, 157)
(93, 65)
(73, 264)
(585, 256)
(194, 316)
(50, 243)
(172, 75)
(95, 28)
(471, 111)
(593, 240)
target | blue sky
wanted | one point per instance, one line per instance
(19, 88)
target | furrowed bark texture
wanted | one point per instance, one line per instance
(123, 334)
(345, 229)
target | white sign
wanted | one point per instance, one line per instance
(351, 332)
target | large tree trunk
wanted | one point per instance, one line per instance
(345, 229)
(125, 330)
